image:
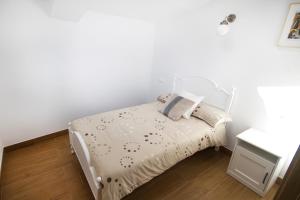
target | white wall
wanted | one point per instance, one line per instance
(248, 57)
(53, 71)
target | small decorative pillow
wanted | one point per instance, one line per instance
(164, 97)
(196, 99)
(176, 106)
(211, 115)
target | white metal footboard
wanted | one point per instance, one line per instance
(78, 145)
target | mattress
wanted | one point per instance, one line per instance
(129, 147)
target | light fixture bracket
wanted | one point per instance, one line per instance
(224, 22)
(224, 25)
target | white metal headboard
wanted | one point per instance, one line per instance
(214, 94)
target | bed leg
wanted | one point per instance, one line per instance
(99, 197)
(71, 149)
(217, 148)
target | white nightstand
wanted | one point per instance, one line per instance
(257, 160)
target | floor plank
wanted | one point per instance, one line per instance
(46, 170)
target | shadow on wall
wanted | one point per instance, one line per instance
(70, 10)
(248, 111)
(45, 5)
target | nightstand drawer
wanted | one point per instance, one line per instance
(250, 168)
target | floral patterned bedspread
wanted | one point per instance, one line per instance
(130, 146)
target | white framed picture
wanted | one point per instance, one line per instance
(290, 36)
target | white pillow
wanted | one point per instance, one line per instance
(196, 99)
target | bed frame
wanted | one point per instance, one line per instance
(214, 95)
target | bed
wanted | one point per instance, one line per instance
(121, 150)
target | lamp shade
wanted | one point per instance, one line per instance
(223, 29)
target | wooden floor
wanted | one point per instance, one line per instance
(47, 171)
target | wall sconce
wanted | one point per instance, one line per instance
(224, 25)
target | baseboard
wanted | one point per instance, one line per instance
(225, 150)
(33, 141)
(1, 156)
(1, 162)
(25, 144)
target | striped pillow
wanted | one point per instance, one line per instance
(176, 106)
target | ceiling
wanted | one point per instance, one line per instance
(150, 10)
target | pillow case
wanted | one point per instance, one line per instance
(176, 106)
(196, 99)
(211, 115)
